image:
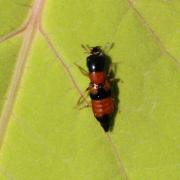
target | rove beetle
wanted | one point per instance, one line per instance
(99, 89)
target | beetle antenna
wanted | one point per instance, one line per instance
(86, 48)
(108, 46)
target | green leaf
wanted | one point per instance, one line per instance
(43, 135)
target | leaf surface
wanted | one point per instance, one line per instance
(43, 135)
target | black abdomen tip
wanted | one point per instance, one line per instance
(105, 122)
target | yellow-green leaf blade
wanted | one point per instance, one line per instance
(48, 138)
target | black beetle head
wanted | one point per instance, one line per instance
(96, 50)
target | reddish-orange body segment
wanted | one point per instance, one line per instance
(97, 77)
(103, 107)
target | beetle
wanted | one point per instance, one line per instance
(100, 87)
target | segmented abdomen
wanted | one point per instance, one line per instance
(103, 107)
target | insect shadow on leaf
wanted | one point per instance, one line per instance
(112, 68)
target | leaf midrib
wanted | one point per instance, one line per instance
(29, 30)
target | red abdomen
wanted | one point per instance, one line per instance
(103, 107)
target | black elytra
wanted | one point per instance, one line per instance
(96, 61)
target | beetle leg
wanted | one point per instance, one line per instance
(82, 70)
(83, 98)
(115, 80)
(85, 105)
(111, 72)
